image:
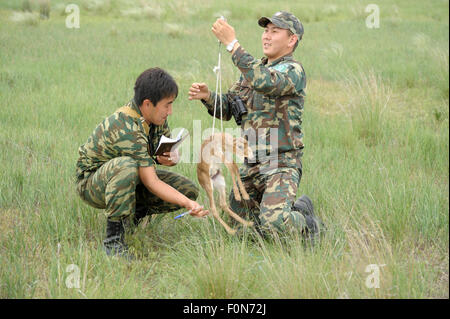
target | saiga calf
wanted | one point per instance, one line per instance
(216, 150)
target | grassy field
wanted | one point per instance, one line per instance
(376, 161)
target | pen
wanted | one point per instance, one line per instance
(183, 214)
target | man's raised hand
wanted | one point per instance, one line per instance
(198, 91)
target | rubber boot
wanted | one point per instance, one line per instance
(114, 243)
(305, 206)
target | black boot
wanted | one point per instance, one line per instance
(114, 243)
(305, 206)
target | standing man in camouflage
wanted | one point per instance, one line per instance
(116, 170)
(273, 90)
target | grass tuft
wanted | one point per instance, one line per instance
(368, 102)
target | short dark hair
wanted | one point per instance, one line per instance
(154, 84)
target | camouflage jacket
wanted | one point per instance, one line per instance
(274, 95)
(120, 135)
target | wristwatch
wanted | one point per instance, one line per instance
(231, 45)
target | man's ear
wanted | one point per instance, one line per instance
(146, 103)
(293, 40)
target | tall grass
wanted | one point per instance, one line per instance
(368, 99)
(376, 158)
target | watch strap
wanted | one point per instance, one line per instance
(231, 45)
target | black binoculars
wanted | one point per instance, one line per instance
(238, 109)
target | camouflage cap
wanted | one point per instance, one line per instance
(284, 20)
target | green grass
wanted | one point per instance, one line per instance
(376, 160)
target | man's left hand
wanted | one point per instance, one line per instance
(223, 31)
(168, 158)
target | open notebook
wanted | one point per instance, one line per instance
(168, 144)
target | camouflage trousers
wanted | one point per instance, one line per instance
(116, 187)
(272, 193)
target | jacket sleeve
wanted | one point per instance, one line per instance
(269, 81)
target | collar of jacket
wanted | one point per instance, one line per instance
(135, 107)
(287, 57)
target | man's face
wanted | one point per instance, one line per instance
(276, 42)
(158, 114)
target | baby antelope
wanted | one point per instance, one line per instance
(219, 149)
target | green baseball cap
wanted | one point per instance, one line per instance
(284, 20)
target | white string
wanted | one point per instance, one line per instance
(220, 90)
(218, 70)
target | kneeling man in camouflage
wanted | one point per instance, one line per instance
(116, 170)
